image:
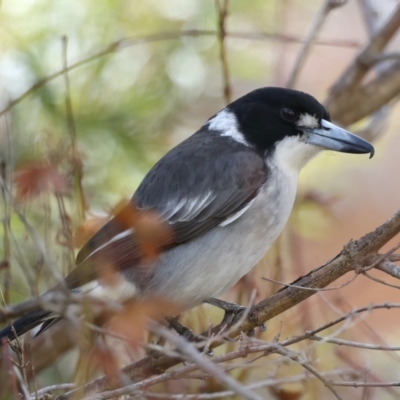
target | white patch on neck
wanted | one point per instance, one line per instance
(292, 154)
(225, 122)
(308, 121)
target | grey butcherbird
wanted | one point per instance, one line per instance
(226, 192)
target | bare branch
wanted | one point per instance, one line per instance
(364, 384)
(350, 343)
(222, 10)
(52, 388)
(295, 357)
(316, 26)
(76, 162)
(390, 268)
(354, 254)
(348, 108)
(127, 42)
(353, 75)
(381, 281)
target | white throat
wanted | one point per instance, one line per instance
(291, 154)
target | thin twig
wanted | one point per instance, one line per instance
(342, 342)
(191, 352)
(305, 364)
(390, 268)
(39, 243)
(52, 388)
(222, 9)
(316, 26)
(381, 281)
(364, 384)
(353, 75)
(76, 162)
(229, 393)
(132, 41)
(354, 253)
(6, 174)
(310, 288)
(5, 263)
(242, 352)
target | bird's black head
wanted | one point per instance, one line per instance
(267, 115)
(289, 121)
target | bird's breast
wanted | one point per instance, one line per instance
(213, 263)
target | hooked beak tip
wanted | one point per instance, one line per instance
(372, 153)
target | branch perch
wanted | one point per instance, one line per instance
(354, 257)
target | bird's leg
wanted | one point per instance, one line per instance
(231, 311)
(187, 333)
(182, 330)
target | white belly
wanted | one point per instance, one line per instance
(213, 263)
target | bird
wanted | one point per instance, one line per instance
(225, 194)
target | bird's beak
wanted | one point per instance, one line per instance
(331, 137)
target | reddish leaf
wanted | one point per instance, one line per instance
(38, 177)
(151, 231)
(105, 360)
(132, 321)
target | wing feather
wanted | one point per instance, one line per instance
(185, 190)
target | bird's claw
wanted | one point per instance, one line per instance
(231, 312)
(188, 335)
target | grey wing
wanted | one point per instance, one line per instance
(191, 190)
(197, 190)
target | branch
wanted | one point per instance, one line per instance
(342, 342)
(320, 18)
(193, 355)
(349, 107)
(364, 384)
(293, 356)
(222, 10)
(127, 42)
(355, 254)
(353, 75)
(390, 268)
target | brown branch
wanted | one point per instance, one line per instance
(381, 281)
(5, 270)
(200, 361)
(222, 16)
(349, 101)
(342, 342)
(305, 364)
(226, 394)
(355, 254)
(348, 107)
(285, 38)
(127, 42)
(365, 384)
(76, 162)
(316, 26)
(244, 351)
(353, 75)
(390, 268)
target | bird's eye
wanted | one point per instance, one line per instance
(288, 114)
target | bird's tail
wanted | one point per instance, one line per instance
(25, 324)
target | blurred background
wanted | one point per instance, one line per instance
(152, 75)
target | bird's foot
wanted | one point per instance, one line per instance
(231, 309)
(231, 312)
(188, 334)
